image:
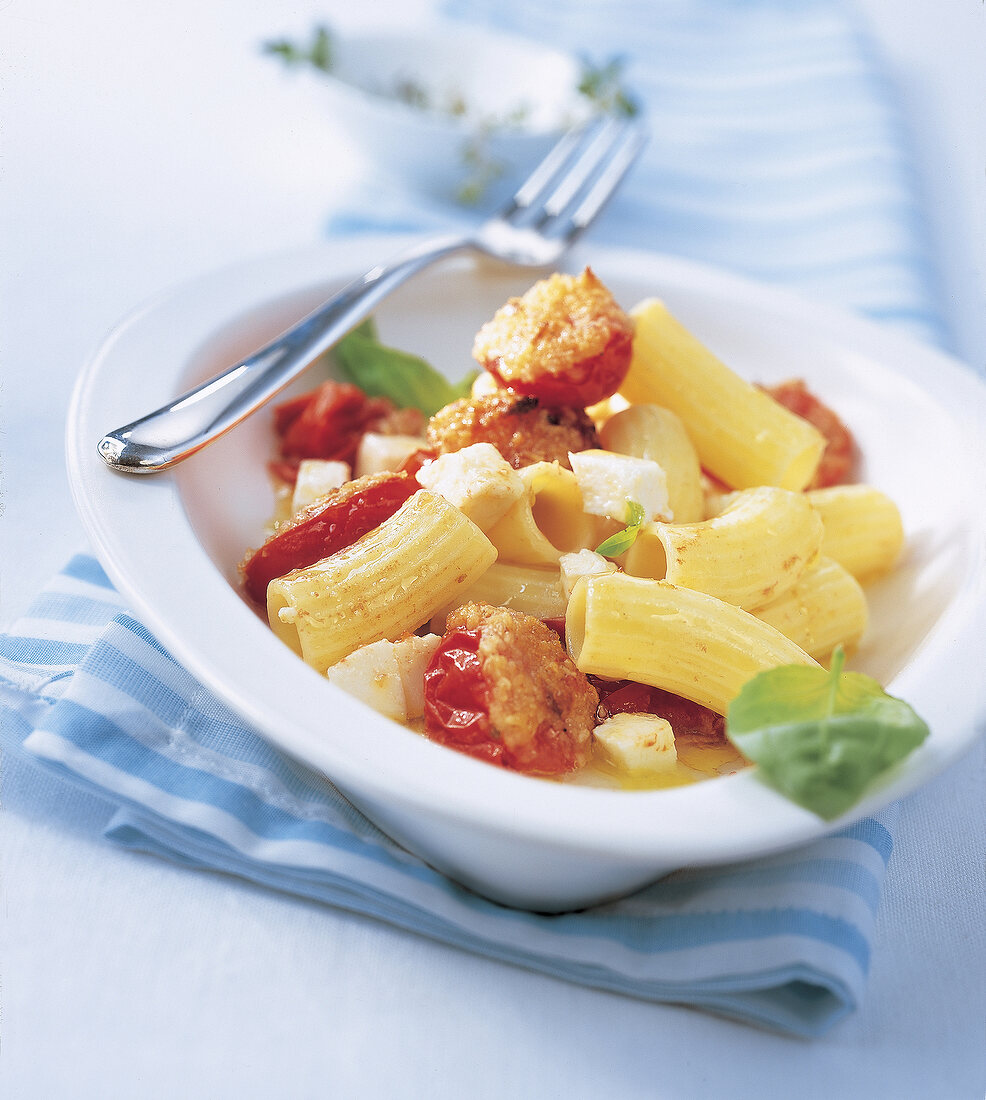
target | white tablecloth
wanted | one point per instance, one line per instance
(142, 145)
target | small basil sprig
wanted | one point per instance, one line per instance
(405, 379)
(622, 541)
(820, 737)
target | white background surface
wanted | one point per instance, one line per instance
(143, 144)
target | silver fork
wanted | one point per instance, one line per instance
(546, 215)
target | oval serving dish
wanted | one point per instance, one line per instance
(171, 543)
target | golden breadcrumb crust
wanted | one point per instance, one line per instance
(522, 429)
(560, 322)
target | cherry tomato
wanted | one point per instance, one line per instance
(565, 341)
(330, 524)
(581, 383)
(457, 700)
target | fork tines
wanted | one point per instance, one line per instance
(571, 185)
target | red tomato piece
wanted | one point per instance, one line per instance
(839, 457)
(688, 720)
(457, 699)
(416, 459)
(584, 382)
(328, 422)
(557, 624)
(328, 525)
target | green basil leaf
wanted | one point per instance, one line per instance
(406, 379)
(621, 542)
(821, 737)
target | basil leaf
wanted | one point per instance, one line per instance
(820, 737)
(622, 541)
(406, 379)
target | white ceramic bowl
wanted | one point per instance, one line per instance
(171, 542)
(429, 150)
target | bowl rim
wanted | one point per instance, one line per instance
(739, 815)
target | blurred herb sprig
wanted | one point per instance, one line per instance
(319, 52)
(601, 86)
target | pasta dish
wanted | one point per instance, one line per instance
(573, 564)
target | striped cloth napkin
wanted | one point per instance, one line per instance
(776, 152)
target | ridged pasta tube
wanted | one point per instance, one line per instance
(742, 435)
(749, 554)
(547, 521)
(532, 589)
(826, 607)
(387, 583)
(683, 641)
(650, 431)
(863, 528)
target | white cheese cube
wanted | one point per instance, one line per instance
(608, 480)
(378, 452)
(478, 480)
(638, 742)
(585, 563)
(316, 477)
(372, 674)
(413, 655)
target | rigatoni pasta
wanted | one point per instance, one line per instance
(387, 583)
(862, 528)
(626, 568)
(742, 436)
(546, 521)
(650, 431)
(752, 552)
(673, 638)
(824, 608)
(535, 590)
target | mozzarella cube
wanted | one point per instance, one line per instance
(378, 452)
(608, 480)
(316, 477)
(372, 674)
(478, 480)
(638, 742)
(414, 655)
(585, 563)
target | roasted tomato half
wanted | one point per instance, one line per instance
(502, 688)
(839, 457)
(329, 524)
(566, 342)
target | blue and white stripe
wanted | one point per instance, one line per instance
(778, 152)
(777, 148)
(784, 942)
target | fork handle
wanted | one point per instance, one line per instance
(174, 432)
